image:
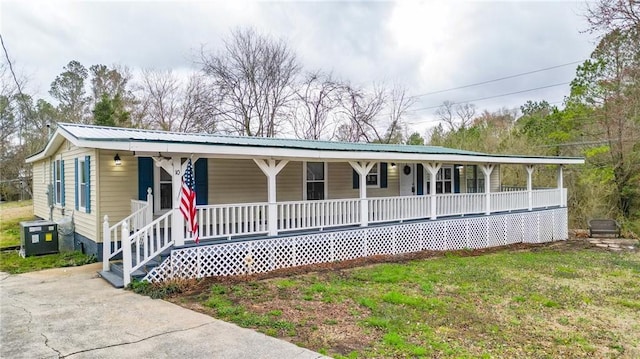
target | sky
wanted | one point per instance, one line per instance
(425, 46)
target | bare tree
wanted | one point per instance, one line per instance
(254, 77)
(456, 116)
(171, 104)
(316, 98)
(608, 15)
(399, 104)
(359, 110)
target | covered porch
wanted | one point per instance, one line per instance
(147, 233)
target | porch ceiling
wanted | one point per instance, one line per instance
(151, 142)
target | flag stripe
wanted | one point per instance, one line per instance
(188, 201)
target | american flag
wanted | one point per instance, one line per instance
(188, 201)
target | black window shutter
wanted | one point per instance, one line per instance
(145, 177)
(456, 178)
(420, 179)
(356, 180)
(202, 177)
(382, 171)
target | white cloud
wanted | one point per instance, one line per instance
(428, 46)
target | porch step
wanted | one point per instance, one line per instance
(114, 279)
(115, 273)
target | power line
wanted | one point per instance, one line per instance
(488, 98)
(498, 79)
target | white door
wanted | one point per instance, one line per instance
(163, 191)
(407, 179)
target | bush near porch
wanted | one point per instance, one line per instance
(560, 300)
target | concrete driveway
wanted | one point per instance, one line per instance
(71, 313)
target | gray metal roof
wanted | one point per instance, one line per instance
(154, 141)
(100, 133)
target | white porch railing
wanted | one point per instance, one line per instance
(547, 198)
(144, 245)
(509, 201)
(227, 220)
(140, 245)
(141, 215)
(459, 204)
(297, 215)
(384, 209)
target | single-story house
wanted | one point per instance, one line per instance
(268, 203)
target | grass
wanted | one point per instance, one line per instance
(11, 214)
(12, 262)
(545, 302)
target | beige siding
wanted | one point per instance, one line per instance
(118, 185)
(41, 178)
(242, 181)
(289, 182)
(236, 181)
(340, 177)
(85, 223)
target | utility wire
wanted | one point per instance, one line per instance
(487, 98)
(22, 97)
(498, 79)
(6, 54)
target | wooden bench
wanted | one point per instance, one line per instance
(604, 227)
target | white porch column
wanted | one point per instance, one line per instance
(271, 168)
(486, 171)
(433, 168)
(529, 169)
(177, 221)
(561, 186)
(363, 168)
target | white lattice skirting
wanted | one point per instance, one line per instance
(264, 255)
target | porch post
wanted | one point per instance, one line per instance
(363, 168)
(149, 215)
(177, 221)
(561, 187)
(106, 243)
(271, 168)
(433, 168)
(529, 169)
(486, 171)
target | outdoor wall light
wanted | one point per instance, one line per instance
(393, 164)
(117, 160)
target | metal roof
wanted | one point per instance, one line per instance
(154, 141)
(100, 133)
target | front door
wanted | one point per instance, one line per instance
(163, 187)
(407, 179)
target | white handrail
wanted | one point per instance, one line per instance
(298, 215)
(113, 234)
(398, 208)
(547, 198)
(141, 215)
(144, 245)
(226, 220)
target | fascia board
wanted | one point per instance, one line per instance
(301, 154)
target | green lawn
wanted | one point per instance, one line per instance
(11, 214)
(559, 301)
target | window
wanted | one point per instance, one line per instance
(57, 181)
(315, 180)
(166, 190)
(81, 176)
(475, 183)
(444, 181)
(373, 178)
